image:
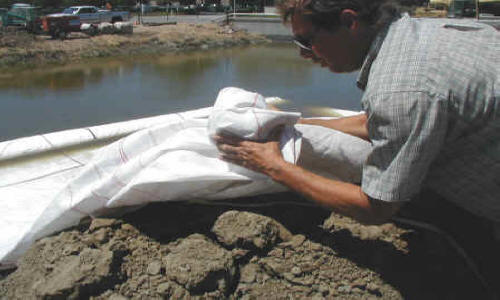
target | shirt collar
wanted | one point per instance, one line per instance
(362, 80)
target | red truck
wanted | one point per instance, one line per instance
(59, 25)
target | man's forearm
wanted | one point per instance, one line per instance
(344, 198)
(354, 125)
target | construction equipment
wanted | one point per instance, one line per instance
(22, 15)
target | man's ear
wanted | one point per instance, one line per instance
(349, 18)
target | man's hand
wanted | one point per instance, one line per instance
(263, 157)
(344, 198)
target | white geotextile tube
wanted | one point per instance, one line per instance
(171, 158)
(42, 143)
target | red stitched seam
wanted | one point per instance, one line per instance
(123, 156)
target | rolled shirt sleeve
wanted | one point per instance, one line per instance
(407, 131)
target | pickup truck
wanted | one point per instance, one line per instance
(92, 15)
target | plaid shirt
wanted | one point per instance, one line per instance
(432, 96)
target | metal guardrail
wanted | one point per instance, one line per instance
(248, 17)
(268, 24)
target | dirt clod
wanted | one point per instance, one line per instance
(200, 265)
(99, 223)
(248, 230)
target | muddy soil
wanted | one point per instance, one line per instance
(248, 250)
(22, 50)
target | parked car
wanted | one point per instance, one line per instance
(216, 7)
(191, 9)
(92, 15)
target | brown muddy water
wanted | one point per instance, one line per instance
(111, 90)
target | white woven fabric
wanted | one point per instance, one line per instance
(172, 160)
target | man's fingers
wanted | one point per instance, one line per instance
(226, 148)
(232, 159)
(224, 139)
(229, 156)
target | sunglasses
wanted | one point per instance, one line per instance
(303, 43)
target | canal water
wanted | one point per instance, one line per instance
(104, 91)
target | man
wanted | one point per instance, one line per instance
(432, 114)
(431, 106)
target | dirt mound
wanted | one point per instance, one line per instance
(180, 250)
(16, 39)
(20, 49)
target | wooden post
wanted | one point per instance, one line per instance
(477, 9)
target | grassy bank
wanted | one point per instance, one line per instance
(23, 50)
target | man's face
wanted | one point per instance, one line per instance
(335, 50)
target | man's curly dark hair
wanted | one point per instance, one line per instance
(326, 13)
